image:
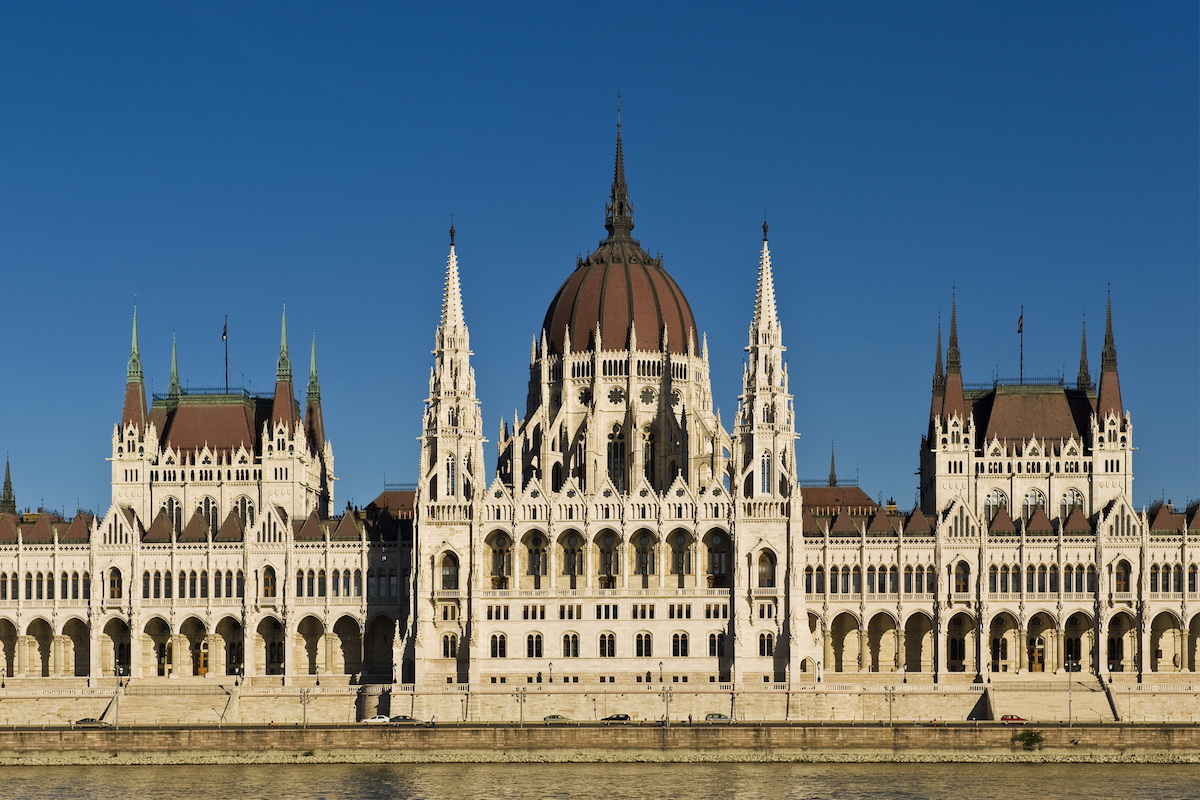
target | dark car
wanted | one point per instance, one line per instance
(91, 722)
(616, 719)
(404, 719)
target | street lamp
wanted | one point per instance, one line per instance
(889, 693)
(666, 693)
(552, 672)
(1070, 687)
(660, 670)
(521, 703)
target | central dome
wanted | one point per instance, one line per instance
(617, 286)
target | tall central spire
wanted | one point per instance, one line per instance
(765, 314)
(618, 215)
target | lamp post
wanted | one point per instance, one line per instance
(552, 672)
(666, 693)
(660, 671)
(889, 693)
(521, 704)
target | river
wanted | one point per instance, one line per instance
(624, 781)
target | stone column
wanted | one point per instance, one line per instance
(1022, 654)
(827, 640)
(901, 662)
(864, 655)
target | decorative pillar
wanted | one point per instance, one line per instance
(863, 654)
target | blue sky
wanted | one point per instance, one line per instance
(213, 159)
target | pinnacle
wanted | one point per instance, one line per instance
(284, 370)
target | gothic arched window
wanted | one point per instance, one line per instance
(616, 457)
(996, 500)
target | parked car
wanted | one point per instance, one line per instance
(91, 722)
(616, 719)
(721, 719)
(404, 719)
(1013, 719)
(378, 719)
(556, 719)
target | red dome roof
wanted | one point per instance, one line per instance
(615, 286)
(619, 285)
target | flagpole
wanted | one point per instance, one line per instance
(1021, 333)
(225, 338)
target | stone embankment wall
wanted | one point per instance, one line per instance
(541, 743)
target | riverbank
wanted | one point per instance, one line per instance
(798, 743)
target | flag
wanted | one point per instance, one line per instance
(225, 331)
(1021, 323)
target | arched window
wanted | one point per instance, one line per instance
(358, 583)
(570, 648)
(450, 572)
(608, 645)
(718, 560)
(681, 555)
(268, 582)
(644, 555)
(174, 514)
(1071, 499)
(1121, 577)
(193, 587)
(764, 478)
(995, 501)
(1033, 500)
(716, 644)
(766, 644)
(616, 457)
(962, 577)
(299, 583)
(609, 564)
(449, 646)
(244, 507)
(679, 645)
(649, 455)
(208, 509)
(146, 584)
(537, 555)
(451, 476)
(501, 561)
(766, 570)
(320, 583)
(499, 646)
(643, 645)
(572, 558)
(533, 645)
(115, 588)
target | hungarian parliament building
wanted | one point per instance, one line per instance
(626, 536)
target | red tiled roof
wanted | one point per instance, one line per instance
(1077, 522)
(1016, 413)
(196, 529)
(347, 530)
(8, 528)
(161, 529)
(399, 503)
(221, 422)
(41, 531)
(617, 285)
(231, 529)
(310, 530)
(808, 523)
(823, 500)
(1002, 523)
(918, 522)
(80, 529)
(1193, 513)
(1167, 519)
(1039, 522)
(844, 523)
(882, 522)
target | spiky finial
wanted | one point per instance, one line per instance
(1108, 356)
(135, 354)
(173, 388)
(953, 357)
(283, 372)
(832, 465)
(1084, 379)
(314, 385)
(8, 501)
(618, 214)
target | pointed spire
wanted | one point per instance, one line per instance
(135, 354)
(1084, 379)
(953, 357)
(8, 502)
(284, 408)
(134, 410)
(314, 385)
(173, 388)
(765, 312)
(618, 214)
(953, 400)
(1108, 399)
(283, 371)
(832, 466)
(453, 321)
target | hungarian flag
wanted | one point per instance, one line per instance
(1021, 322)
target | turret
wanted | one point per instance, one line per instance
(134, 411)
(284, 410)
(8, 501)
(1108, 401)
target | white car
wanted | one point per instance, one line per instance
(378, 719)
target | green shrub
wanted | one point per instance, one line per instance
(1029, 739)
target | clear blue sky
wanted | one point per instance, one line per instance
(221, 158)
